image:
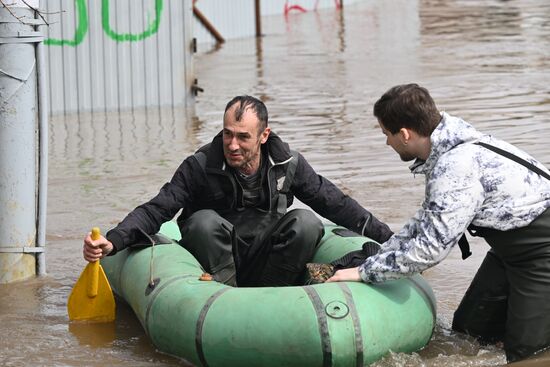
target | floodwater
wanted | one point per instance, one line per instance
(487, 61)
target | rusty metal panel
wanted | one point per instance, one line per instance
(118, 54)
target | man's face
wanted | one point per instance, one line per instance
(242, 141)
(398, 143)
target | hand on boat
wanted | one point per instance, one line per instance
(346, 275)
(95, 250)
(206, 277)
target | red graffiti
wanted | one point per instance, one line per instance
(288, 8)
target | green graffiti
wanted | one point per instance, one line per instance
(82, 28)
(80, 31)
(152, 27)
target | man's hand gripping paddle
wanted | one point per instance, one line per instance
(92, 298)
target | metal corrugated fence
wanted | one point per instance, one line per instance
(118, 54)
(107, 55)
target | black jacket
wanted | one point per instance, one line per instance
(200, 185)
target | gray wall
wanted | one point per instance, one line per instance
(118, 54)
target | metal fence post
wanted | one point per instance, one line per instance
(258, 17)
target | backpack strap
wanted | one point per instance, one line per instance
(464, 246)
(515, 158)
(463, 242)
(214, 184)
(201, 158)
(287, 183)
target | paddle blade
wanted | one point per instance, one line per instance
(92, 298)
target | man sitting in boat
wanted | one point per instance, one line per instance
(234, 194)
(485, 185)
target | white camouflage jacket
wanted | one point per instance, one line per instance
(465, 183)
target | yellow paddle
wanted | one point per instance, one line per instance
(92, 298)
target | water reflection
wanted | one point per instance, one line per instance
(93, 335)
(122, 137)
(319, 73)
(96, 159)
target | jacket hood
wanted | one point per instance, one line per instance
(450, 133)
(278, 150)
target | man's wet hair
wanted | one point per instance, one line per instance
(246, 102)
(407, 106)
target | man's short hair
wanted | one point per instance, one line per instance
(255, 104)
(407, 106)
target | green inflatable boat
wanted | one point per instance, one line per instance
(212, 324)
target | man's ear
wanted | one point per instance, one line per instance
(265, 135)
(405, 135)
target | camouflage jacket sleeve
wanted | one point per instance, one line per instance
(453, 196)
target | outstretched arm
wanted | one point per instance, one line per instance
(329, 201)
(149, 217)
(454, 195)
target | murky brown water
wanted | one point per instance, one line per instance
(319, 73)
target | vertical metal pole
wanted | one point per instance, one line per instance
(188, 41)
(258, 14)
(18, 115)
(42, 155)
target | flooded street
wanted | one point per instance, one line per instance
(319, 74)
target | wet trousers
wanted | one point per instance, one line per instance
(509, 297)
(275, 257)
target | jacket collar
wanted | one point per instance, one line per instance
(450, 133)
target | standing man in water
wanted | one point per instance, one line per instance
(234, 194)
(485, 185)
